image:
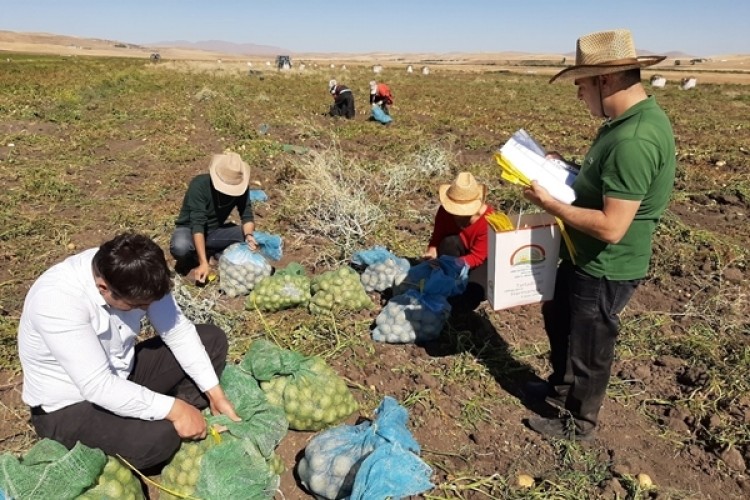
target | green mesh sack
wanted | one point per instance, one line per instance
(116, 482)
(220, 468)
(291, 269)
(262, 423)
(280, 291)
(312, 395)
(50, 471)
(338, 290)
(208, 469)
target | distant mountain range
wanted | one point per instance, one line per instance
(242, 49)
(10, 40)
(265, 50)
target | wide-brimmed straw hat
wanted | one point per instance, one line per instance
(229, 174)
(603, 53)
(464, 196)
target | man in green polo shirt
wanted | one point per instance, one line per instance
(622, 189)
(201, 227)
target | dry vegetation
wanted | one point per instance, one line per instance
(93, 146)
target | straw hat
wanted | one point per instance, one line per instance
(229, 174)
(603, 53)
(463, 196)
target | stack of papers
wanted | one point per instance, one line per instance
(523, 160)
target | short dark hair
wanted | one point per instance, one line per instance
(134, 267)
(630, 77)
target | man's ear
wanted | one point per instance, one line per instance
(101, 285)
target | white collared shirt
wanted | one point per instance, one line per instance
(74, 347)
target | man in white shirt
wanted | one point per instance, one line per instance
(87, 380)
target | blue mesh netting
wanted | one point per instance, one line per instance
(338, 460)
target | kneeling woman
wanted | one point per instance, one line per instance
(461, 231)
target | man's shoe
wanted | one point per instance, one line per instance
(544, 391)
(558, 428)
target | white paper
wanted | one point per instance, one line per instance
(556, 176)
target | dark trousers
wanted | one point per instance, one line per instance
(476, 289)
(182, 246)
(343, 105)
(582, 323)
(145, 444)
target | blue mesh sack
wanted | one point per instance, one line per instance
(411, 317)
(240, 269)
(391, 471)
(379, 115)
(382, 270)
(269, 245)
(371, 256)
(446, 276)
(332, 461)
(257, 195)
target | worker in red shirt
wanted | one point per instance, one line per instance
(461, 231)
(380, 94)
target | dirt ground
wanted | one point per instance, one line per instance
(498, 441)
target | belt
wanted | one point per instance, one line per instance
(38, 410)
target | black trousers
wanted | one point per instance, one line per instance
(145, 444)
(343, 105)
(476, 289)
(582, 323)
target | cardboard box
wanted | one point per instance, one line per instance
(522, 263)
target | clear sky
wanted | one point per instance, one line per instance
(696, 27)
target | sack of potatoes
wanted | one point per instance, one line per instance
(241, 269)
(278, 292)
(338, 290)
(411, 317)
(383, 275)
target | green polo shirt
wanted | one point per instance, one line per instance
(632, 158)
(205, 209)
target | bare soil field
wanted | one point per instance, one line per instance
(92, 146)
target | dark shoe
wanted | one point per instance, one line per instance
(544, 391)
(559, 428)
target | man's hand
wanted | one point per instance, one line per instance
(187, 420)
(201, 272)
(538, 195)
(250, 240)
(430, 254)
(220, 404)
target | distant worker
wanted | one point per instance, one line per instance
(380, 94)
(343, 100)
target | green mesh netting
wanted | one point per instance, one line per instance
(240, 463)
(116, 482)
(312, 395)
(262, 423)
(50, 471)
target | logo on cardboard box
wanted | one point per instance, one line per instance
(528, 254)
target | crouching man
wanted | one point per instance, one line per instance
(85, 376)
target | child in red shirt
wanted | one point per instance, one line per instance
(461, 231)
